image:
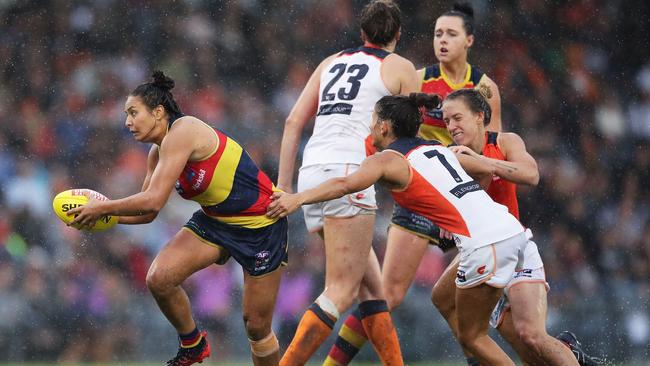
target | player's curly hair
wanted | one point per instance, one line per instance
(404, 112)
(465, 11)
(474, 100)
(380, 21)
(158, 92)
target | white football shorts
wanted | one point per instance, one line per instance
(358, 203)
(492, 264)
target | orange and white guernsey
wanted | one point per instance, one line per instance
(442, 191)
(228, 185)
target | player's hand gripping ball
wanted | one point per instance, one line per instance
(72, 198)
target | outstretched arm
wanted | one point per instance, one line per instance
(370, 171)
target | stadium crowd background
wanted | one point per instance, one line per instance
(574, 80)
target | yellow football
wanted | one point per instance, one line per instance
(67, 200)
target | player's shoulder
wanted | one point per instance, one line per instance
(509, 139)
(394, 58)
(430, 72)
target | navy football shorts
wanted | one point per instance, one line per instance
(420, 226)
(259, 251)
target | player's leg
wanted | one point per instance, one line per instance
(375, 316)
(474, 307)
(183, 255)
(482, 274)
(404, 251)
(528, 308)
(443, 297)
(352, 336)
(507, 330)
(347, 244)
(259, 298)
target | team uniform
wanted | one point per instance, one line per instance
(349, 88)
(234, 195)
(505, 192)
(436, 82)
(491, 241)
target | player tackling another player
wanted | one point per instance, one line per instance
(210, 168)
(427, 178)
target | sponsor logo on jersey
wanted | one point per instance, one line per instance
(526, 272)
(462, 189)
(481, 269)
(199, 180)
(337, 108)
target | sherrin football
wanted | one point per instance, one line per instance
(67, 200)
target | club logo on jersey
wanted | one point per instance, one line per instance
(481, 269)
(179, 188)
(460, 275)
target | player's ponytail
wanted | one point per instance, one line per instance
(465, 11)
(474, 100)
(404, 113)
(158, 92)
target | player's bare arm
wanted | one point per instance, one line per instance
(475, 167)
(490, 91)
(301, 113)
(371, 170)
(152, 161)
(175, 150)
(520, 167)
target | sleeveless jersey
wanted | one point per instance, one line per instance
(442, 191)
(436, 82)
(349, 88)
(228, 185)
(501, 190)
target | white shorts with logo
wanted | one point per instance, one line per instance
(532, 272)
(358, 203)
(492, 264)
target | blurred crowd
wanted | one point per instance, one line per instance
(574, 79)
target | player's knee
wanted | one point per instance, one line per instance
(531, 337)
(342, 298)
(157, 282)
(257, 325)
(467, 340)
(444, 304)
(394, 297)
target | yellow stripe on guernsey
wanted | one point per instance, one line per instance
(251, 222)
(223, 176)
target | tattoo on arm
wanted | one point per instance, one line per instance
(485, 90)
(509, 168)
